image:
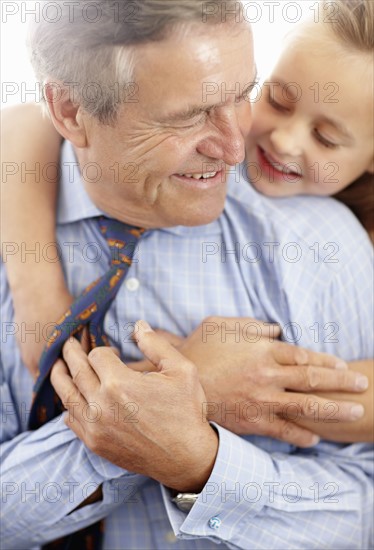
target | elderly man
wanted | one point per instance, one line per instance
(138, 449)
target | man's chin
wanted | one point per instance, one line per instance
(202, 216)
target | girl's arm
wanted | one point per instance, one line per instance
(30, 144)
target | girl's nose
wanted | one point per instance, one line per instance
(287, 141)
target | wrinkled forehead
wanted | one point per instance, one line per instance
(190, 70)
(207, 50)
(178, 34)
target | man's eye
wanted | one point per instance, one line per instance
(325, 142)
(246, 95)
(196, 121)
(201, 120)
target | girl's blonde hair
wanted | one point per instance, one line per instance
(353, 26)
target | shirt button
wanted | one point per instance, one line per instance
(170, 537)
(132, 284)
(214, 522)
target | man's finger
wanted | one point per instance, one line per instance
(76, 359)
(142, 366)
(116, 351)
(311, 378)
(104, 362)
(71, 397)
(173, 339)
(287, 354)
(158, 350)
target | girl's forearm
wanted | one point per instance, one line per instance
(30, 153)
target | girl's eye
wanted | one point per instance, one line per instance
(276, 105)
(325, 142)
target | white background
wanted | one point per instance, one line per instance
(270, 19)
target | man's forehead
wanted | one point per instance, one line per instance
(219, 48)
(185, 81)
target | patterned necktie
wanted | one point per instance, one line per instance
(88, 310)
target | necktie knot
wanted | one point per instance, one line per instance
(122, 240)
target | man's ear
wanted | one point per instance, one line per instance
(65, 114)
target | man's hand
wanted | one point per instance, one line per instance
(257, 385)
(151, 424)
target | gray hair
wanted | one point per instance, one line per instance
(90, 48)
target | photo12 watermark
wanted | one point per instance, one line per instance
(70, 491)
(91, 412)
(270, 12)
(271, 491)
(91, 93)
(269, 252)
(51, 172)
(27, 11)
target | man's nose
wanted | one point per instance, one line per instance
(226, 142)
(287, 140)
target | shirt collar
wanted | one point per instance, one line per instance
(74, 203)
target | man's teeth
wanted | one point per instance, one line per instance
(199, 176)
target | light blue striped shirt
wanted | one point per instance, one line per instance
(303, 262)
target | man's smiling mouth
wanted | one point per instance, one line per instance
(206, 175)
(202, 180)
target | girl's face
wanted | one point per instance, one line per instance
(312, 127)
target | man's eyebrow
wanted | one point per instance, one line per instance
(195, 110)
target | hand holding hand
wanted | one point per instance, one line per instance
(257, 385)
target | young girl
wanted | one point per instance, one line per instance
(313, 124)
(306, 139)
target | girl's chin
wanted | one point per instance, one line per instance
(270, 189)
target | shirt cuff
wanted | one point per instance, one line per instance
(233, 495)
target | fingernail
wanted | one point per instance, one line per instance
(144, 326)
(362, 382)
(341, 365)
(357, 411)
(72, 341)
(315, 439)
